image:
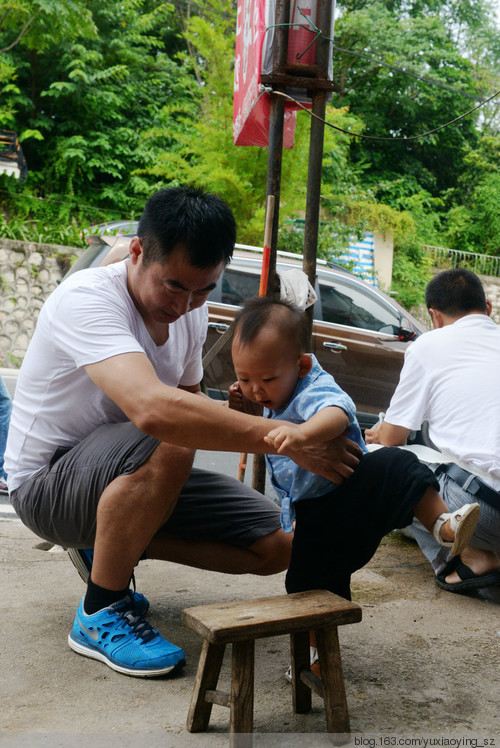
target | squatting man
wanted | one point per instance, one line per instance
(107, 415)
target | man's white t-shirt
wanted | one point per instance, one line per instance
(451, 378)
(88, 318)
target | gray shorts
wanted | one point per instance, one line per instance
(487, 533)
(59, 503)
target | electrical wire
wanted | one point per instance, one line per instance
(311, 27)
(268, 89)
(318, 34)
(405, 72)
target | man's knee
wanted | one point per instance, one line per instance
(170, 462)
(273, 552)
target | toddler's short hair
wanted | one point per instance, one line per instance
(263, 311)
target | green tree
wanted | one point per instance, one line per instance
(201, 146)
(416, 37)
(28, 28)
(472, 222)
(92, 99)
(450, 53)
(132, 96)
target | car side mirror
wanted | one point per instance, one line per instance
(405, 334)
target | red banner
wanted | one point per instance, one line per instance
(255, 27)
(252, 107)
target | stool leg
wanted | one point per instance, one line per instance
(332, 678)
(300, 656)
(207, 676)
(242, 680)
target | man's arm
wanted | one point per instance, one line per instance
(184, 418)
(196, 390)
(387, 434)
(335, 457)
(408, 403)
(173, 414)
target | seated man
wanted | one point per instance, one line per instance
(450, 379)
(108, 413)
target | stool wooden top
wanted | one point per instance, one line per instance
(270, 616)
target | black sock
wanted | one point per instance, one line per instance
(98, 598)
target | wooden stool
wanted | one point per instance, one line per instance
(239, 624)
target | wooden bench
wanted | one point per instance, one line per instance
(239, 624)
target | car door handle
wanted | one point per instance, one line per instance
(220, 327)
(337, 347)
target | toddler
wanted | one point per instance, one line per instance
(337, 527)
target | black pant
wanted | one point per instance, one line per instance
(338, 533)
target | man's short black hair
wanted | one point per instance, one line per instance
(263, 311)
(456, 292)
(199, 221)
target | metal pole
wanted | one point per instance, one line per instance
(313, 192)
(274, 161)
(324, 21)
(276, 120)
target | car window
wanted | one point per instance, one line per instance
(353, 306)
(238, 286)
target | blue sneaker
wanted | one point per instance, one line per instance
(82, 559)
(124, 641)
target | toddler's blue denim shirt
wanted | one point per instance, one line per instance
(292, 483)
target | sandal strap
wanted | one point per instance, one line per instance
(464, 571)
(436, 530)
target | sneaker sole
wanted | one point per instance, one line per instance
(465, 531)
(79, 564)
(96, 655)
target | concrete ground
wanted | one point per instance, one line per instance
(423, 663)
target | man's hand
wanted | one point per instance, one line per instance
(387, 434)
(286, 438)
(372, 436)
(336, 459)
(238, 401)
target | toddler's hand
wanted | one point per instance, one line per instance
(285, 438)
(237, 401)
(235, 397)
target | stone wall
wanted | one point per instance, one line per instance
(492, 290)
(28, 273)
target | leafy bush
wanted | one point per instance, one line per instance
(411, 271)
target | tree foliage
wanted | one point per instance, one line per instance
(112, 101)
(92, 100)
(473, 221)
(441, 47)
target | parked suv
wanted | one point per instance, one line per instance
(359, 333)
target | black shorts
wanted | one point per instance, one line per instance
(338, 533)
(59, 503)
